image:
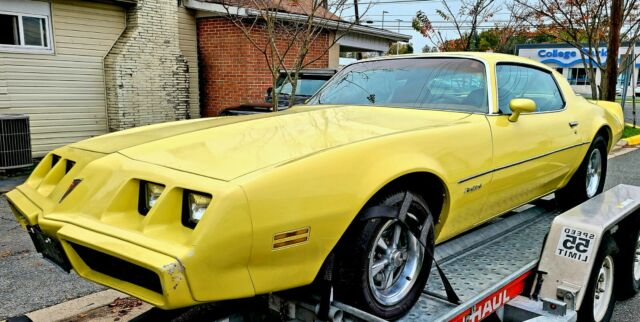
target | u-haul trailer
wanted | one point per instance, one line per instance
(531, 265)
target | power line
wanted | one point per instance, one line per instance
(413, 15)
(405, 28)
(396, 1)
(438, 22)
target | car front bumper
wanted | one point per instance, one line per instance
(101, 235)
(151, 276)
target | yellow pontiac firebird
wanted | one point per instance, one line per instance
(390, 157)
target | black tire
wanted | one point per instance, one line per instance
(607, 250)
(352, 283)
(628, 241)
(575, 192)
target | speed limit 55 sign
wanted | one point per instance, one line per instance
(575, 244)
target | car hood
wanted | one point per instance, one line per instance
(227, 148)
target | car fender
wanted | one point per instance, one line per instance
(318, 197)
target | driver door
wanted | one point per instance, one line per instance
(533, 154)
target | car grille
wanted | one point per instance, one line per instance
(118, 268)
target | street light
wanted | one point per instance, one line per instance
(383, 12)
(398, 43)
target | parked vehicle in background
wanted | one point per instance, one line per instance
(619, 90)
(309, 81)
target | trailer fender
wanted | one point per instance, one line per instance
(575, 238)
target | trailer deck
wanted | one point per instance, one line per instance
(483, 262)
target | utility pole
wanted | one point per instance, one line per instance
(615, 24)
(634, 82)
(355, 8)
(383, 12)
(357, 13)
(398, 43)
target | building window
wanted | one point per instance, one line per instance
(24, 32)
(578, 76)
(560, 70)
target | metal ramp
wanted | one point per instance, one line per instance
(483, 261)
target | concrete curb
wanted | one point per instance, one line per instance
(633, 140)
(75, 307)
(621, 148)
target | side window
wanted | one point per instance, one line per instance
(516, 81)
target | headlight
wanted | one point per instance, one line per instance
(149, 194)
(194, 206)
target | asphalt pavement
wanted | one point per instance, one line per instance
(628, 112)
(28, 283)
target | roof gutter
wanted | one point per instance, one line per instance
(343, 26)
(215, 9)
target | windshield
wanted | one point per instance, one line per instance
(305, 87)
(427, 83)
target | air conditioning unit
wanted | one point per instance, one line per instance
(15, 141)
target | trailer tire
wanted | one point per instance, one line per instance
(578, 189)
(361, 284)
(628, 270)
(599, 299)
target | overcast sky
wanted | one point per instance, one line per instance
(405, 11)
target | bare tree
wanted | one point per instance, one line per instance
(465, 20)
(283, 31)
(509, 30)
(608, 84)
(585, 25)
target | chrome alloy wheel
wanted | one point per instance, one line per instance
(394, 262)
(602, 294)
(636, 260)
(594, 172)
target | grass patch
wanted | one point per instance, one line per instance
(630, 131)
(628, 101)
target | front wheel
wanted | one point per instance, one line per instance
(382, 266)
(588, 181)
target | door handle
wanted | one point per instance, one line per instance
(573, 124)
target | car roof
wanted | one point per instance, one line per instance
(489, 58)
(313, 71)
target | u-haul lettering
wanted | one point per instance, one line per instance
(575, 244)
(488, 306)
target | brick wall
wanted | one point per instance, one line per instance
(147, 77)
(233, 71)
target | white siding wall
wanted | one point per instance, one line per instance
(64, 93)
(187, 37)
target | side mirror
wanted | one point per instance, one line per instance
(269, 90)
(521, 105)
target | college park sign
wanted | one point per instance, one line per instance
(569, 54)
(568, 57)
